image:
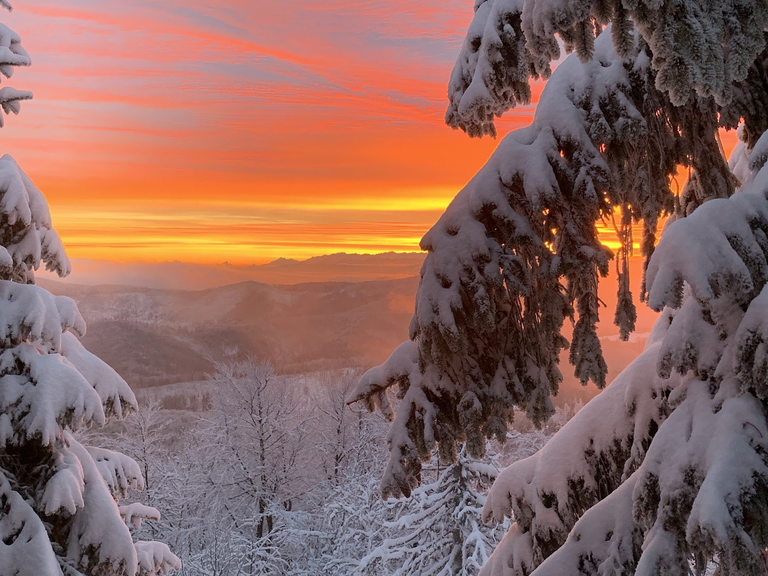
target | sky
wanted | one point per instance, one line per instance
(242, 130)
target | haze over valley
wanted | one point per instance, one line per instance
(155, 336)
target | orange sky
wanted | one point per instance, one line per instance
(242, 130)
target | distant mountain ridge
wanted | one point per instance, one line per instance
(340, 267)
(154, 336)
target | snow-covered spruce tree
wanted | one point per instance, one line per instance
(636, 477)
(438, 531)
(58, 499)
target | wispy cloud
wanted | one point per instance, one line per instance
(319, 106)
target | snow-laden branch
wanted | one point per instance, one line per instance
(696, 50)
(24, 535)
(491, 73)
(116, 396)
(517, 253)
(589, 458)
(26, 223)
(699, 471)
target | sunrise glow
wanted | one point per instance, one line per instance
(186, 130)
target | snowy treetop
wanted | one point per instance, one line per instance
(27, 238)
(695, 49)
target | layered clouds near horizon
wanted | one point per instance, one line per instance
(189, 276)
(243, 130)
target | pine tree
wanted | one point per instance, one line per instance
(59, 511)
(666, 470)
(437, 531)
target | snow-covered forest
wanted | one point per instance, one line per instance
(276, 475)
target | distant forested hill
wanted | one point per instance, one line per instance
(154, 337)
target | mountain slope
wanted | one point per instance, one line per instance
(154, 337)
(157, 337)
